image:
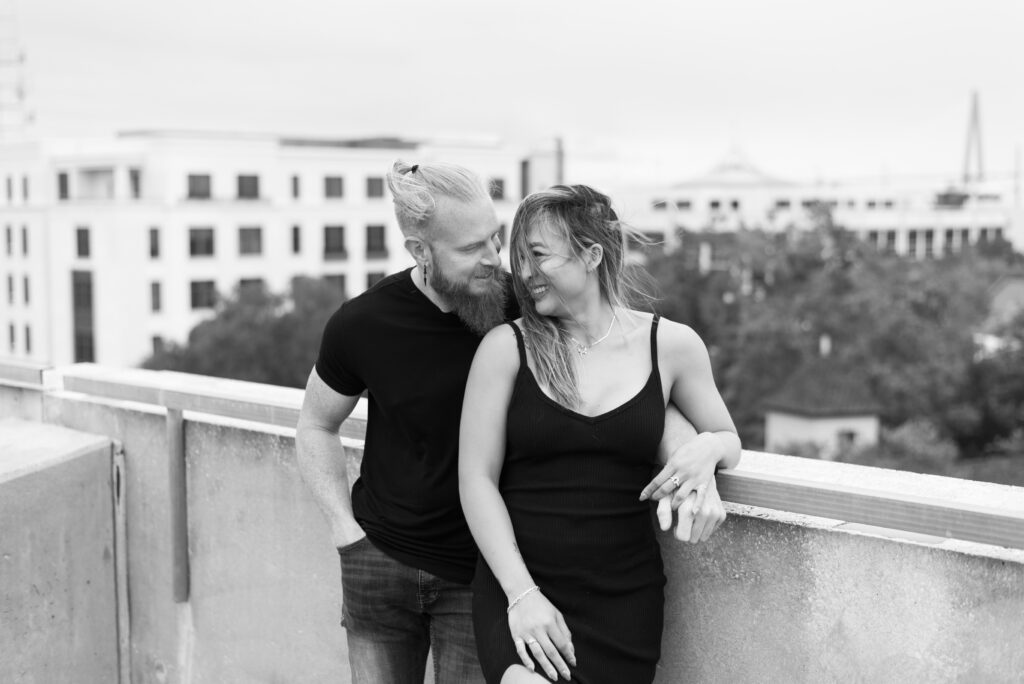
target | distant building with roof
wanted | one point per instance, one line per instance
(111, 248)
(912, 218)
(825, 403)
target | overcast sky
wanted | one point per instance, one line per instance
(639, 90)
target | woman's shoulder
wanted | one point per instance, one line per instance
(678, 338)
(499, 346)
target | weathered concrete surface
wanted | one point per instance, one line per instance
(266, 583)
(156, 620)
(776, 597)
(57, 592)
(21, 402)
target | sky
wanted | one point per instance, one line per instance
(640, 92)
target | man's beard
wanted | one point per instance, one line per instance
(479, 312)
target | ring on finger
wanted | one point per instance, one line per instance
(531, 641)
(675, 481)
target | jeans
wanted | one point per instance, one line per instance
(394, 614)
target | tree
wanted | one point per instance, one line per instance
(257, 336)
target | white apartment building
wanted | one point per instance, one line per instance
(910, 218)
(111, 248)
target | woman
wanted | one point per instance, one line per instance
(561, 421)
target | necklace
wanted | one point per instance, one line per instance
(584, 349)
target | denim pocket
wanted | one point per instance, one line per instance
(342, 550)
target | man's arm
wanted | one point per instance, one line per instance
(322, 459)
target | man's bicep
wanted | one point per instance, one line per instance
(324, 408)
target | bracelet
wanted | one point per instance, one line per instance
(517, 599)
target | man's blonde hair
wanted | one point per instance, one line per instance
(416, 189)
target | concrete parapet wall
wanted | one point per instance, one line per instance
(773, 597)
(57, 581)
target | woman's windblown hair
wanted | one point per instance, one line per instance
(584, 217)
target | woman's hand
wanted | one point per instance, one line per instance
(689, 467)
(538, 629)
(697, 522)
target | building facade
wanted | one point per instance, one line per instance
(906, 217)
(112, 248)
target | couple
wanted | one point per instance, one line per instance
(543, 436)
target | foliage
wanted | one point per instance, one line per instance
(909, 324)
(257, 336)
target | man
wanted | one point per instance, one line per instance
(406, 553)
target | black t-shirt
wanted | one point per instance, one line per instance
(414, 360)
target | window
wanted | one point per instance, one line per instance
(296, 187)
(714, 205)
(250, 240)
(659, 205)
(948, 244)
(337, 282)
(334, 242)
(375, 247)
(334, 187)
(845, 440)
(250, 287)
(497, 187)
(997, 234)
(783, 204)
(296, 239)
(683, 205)
(62, 186)
(890, 241)
(24, 240)
(983, 235)
(374, 278)
(912, 243)
(24, 290)
(808, 203)
(135, 182)
(199, 186)
(81, 299)
(888, 204)
(82, 242)
(154, 297)
(871, 204)
(873, 238)
(11, 336)
(204, 294)
(158, 344)
(248, 187)
(10, 189)
(735, 204)
(24, 188)
(28, 339)
(200, 241)
(929, 243)
(154, 243)
(374, 187)
(10, 289)
(965, 237)
(10, 240)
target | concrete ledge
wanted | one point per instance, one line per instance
(57, 588)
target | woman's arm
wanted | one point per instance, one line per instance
(534, 623)
(685, 359)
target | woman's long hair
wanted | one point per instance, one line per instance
(583, 217)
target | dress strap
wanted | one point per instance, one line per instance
(521, 343)
(654, 342)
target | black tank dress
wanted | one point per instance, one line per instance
(571, 484)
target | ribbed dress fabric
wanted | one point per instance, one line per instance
(571, 484)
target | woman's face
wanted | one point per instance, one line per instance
(554, 278)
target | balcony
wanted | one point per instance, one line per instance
(156, 529)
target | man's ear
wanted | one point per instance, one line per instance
(593, 256)
(419, 249)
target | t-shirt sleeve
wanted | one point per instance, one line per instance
(338, 361)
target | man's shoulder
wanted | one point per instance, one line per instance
(390, 288)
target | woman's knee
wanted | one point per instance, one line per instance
(517, 674)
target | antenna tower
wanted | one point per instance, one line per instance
(974, 145)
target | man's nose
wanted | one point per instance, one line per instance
(491, 257)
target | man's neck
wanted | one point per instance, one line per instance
(429, 292)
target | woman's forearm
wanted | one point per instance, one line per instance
(492, 529)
